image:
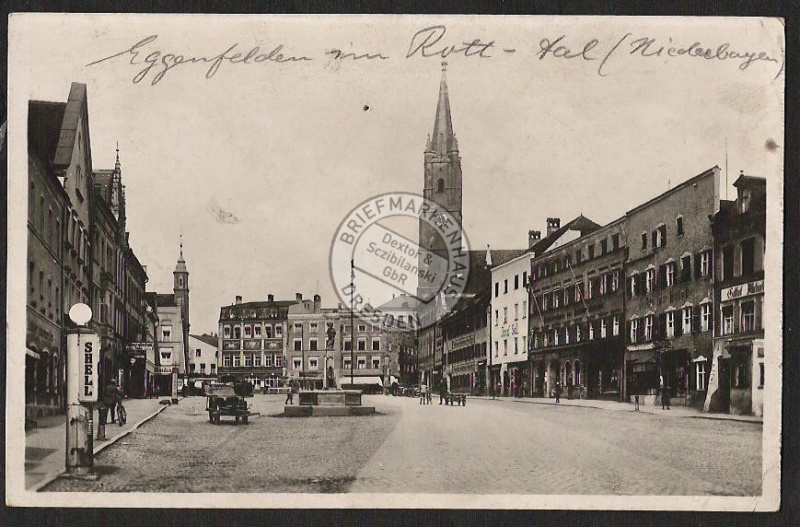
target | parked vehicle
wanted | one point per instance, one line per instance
(228, 399)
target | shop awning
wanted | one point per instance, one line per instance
(367, 380)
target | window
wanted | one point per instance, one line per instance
(440, 186)
(298, 327)
(578, 256)
(700, 375)
(524, 309)
(556, 336)
(556, 298)
(346, 363)
(297, 363)
(603, 246)
(660, 236)
(516, 282)
(362, 345)
(257, 331)
(615, 281)
(648, 327)
(670, 274)
(298, 344)
(615, 329)
(727, 262)
(614, 242)
(744, 202)
(278, 360)
(505, 347)
(535, 340)
(740, 376)
(362, 328)
(496, 317)
(376, 344)
(505, 315)
(278, 330)
(578, 333)
(727, 320)
(633, 285)
(248, 360)
(165, 357)
(578, 294)
(313, 363)
(313, 326)
(545, 301)
(524, 349)
(603, 284)
(705, 317)
(226, 360)
(197, 352)
(257, 360)
(524, 278)
(591, 251)
(237, 332)
(376, 363)
(496, 348)
(496, 289)
(268, 361)
(603, 328)
(516, 311)
(248, 331)
(644, 241)
(213, 368)
(202, 367)
(505, 286)
(748, 322)
(361, 363)
(748, 256)
(237, 360)
(760, 374)
(679, 226)
(591, 330)
(166, 332)
(312, 344)
(566, 335)
(634, 330)
(670, 324)
(516, 346)
(705, 264)
(686, 268)
(650, 280)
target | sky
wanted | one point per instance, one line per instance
(257, 165)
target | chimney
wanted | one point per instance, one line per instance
(270, 297)
(553, 224)
(533, 237)
(317, 302)
(298, 297)
(238, 300)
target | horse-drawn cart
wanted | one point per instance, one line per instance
(228, 400)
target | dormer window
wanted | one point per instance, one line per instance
(744, 201)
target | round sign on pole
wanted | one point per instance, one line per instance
(80, 314)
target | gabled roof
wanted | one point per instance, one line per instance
(581, 224)
(397, 302)
(211, 340)
(749, 181)
(44, 128)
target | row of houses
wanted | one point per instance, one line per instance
(667, 297)
(79, 251)
(272, 343)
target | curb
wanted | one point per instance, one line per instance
(96, 450)
(710, 417)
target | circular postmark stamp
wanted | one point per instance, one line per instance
(371, 263)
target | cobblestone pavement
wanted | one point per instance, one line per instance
(487, 447)
(493, 447)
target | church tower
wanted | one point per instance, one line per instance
(442, 183)
(117, 204)
(181, 290)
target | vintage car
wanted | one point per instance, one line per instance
(228, 399)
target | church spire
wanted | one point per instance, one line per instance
(443, 139)
(116, 164)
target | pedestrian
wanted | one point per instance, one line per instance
(558, 392)
(665, 397)
(290, 394)
(442, 391)
(423, 394)
(111, 395)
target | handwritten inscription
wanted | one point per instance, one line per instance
(434, 42)
(160, 63)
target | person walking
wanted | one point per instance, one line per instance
(442, 391)
(558, 392)
(290, 395)
(665, 397)
(111, 396)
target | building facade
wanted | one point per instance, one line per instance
(203, 355)
(400, 326)
(670, 291)
(252, 341)
(737, 371)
